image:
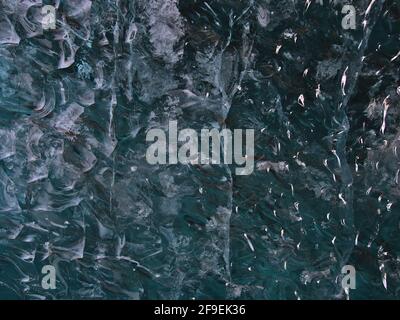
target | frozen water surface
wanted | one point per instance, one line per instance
(76, 191)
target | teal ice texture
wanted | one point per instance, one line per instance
(76, 191)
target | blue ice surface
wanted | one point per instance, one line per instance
(77, 193)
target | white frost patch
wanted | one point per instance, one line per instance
(263, 16)
(166, 28)
(66, 120)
